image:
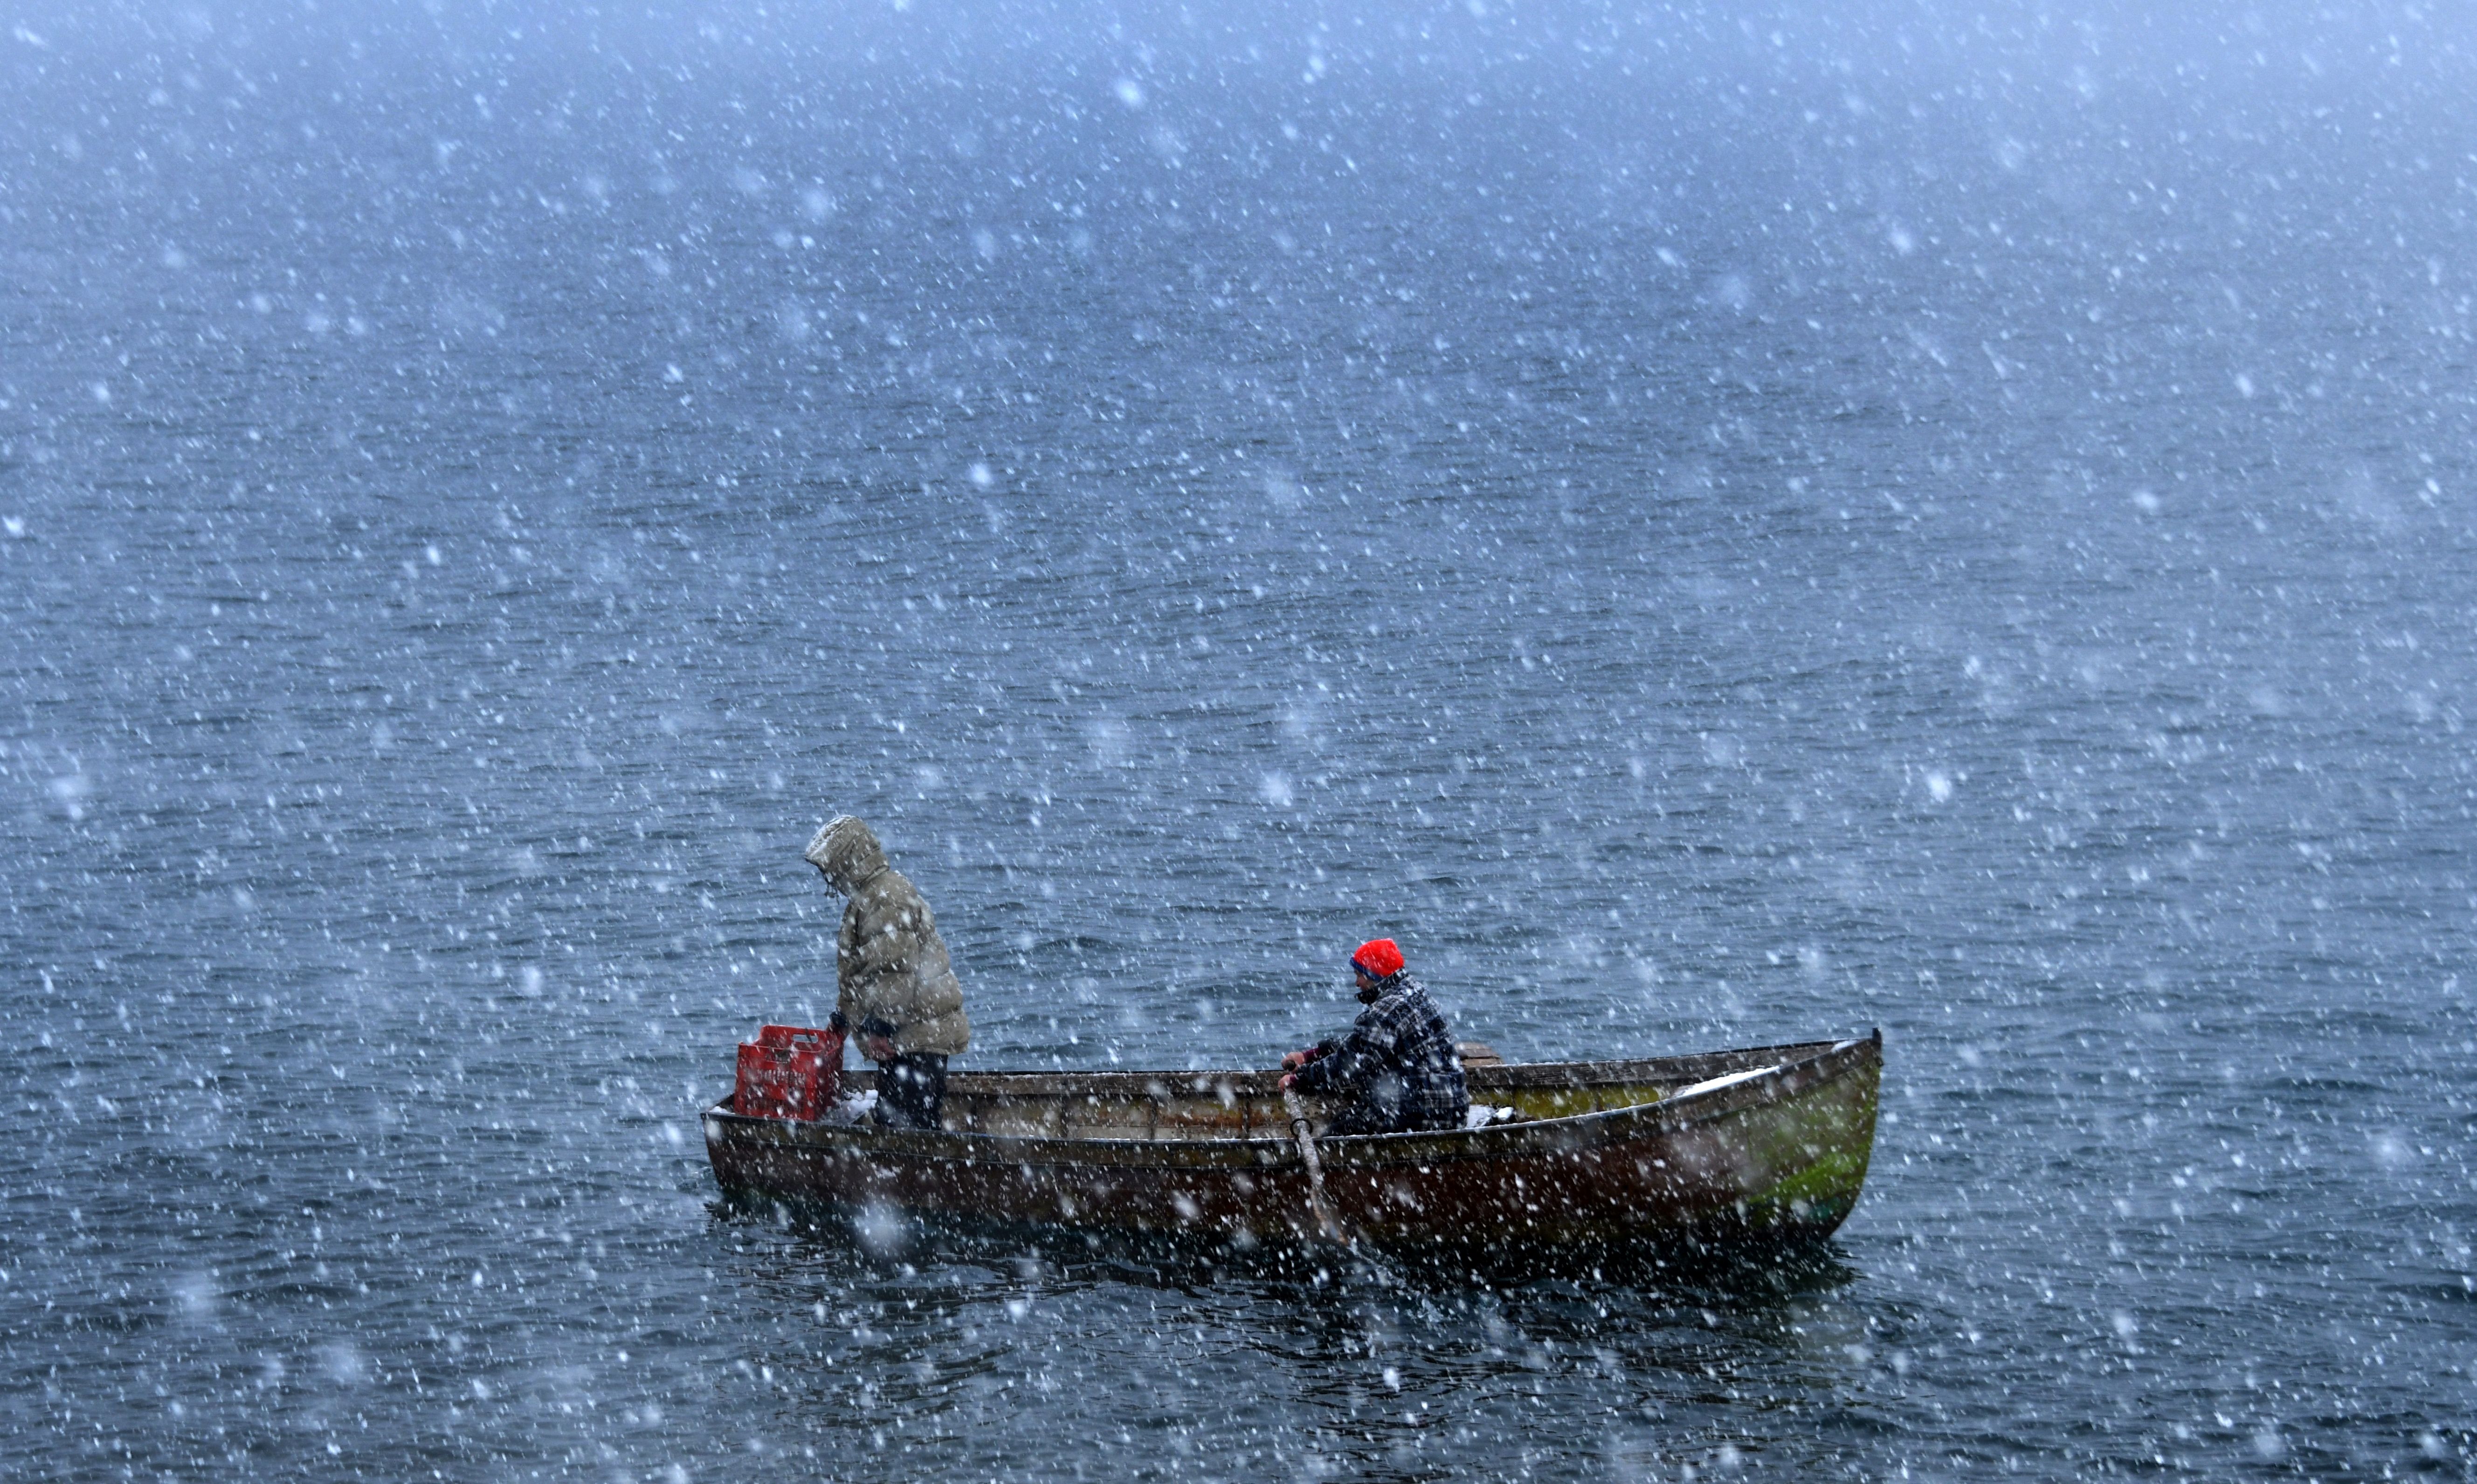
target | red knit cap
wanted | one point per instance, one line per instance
(1378, 958)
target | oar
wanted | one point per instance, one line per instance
(1328, 1226)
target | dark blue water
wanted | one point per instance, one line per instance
(1712, 528)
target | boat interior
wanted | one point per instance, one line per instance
(1179, 1105)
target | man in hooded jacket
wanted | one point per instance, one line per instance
(896, 993)
(1398, 1064)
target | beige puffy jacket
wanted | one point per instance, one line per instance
(890, 965)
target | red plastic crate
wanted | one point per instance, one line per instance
(788, 1071)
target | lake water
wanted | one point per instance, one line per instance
(1710, 528)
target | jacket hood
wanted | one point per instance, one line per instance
(1399, 979)
(848, 853)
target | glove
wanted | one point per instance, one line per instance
(838, 1024)
(1297, 1060)
(876, 1040)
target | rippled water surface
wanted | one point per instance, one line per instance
(1711, 529)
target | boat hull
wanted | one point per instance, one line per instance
(1777, 1155)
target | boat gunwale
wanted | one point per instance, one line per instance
(1136, 1083)
(1664, 1117)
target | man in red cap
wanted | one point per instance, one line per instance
(1397, 1063)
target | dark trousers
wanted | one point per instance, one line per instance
(1357, 1118)
(909, 1090)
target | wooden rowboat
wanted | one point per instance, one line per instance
(1719, 1149)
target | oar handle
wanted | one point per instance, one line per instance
(1328, 1226)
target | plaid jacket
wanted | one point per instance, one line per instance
(1398, 1059)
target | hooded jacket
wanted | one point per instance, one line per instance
(1397, 1061)
(890, 965)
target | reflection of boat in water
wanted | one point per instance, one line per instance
(1768, 1143)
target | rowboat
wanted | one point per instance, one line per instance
(1724, 1149)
